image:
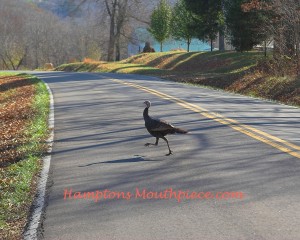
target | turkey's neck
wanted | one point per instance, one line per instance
(145, 114)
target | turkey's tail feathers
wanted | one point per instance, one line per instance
(179, 130)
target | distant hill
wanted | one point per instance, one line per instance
(65, 8)
(61, 8)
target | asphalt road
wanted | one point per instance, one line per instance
(99, 145)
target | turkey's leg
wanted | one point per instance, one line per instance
(155, 144)
(170, 152)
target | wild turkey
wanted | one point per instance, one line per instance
(159, 128)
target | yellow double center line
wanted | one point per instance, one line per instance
(275, 142)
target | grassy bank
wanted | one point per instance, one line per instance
(230, 71)
(172, 62)
(25, 107)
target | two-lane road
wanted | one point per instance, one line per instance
(235, 144)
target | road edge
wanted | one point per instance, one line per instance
(31, 232)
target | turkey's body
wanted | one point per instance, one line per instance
(159, 128)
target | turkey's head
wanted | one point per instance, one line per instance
(147, 103)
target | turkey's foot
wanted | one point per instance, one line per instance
(170, 153)
(150, 144)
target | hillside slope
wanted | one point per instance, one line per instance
(230, 71)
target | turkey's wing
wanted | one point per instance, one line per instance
(162, 126)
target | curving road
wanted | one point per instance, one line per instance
(235, 144)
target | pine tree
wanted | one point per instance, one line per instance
(244, 27)
(210, 18)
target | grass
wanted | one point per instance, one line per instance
(115, 67)
(128, 68)
(198, 62)
(172, 62)
(19, 179)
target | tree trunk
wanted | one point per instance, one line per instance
(161, 46)
(297, 49)
(12, 64)
(36, 59)
(211, 45)
(188, 45)
(221, 42)
(111, 10)
(22, 59)
(118, 50)
(4, 62)
(112, 40)
(265, 46)
(290, 44)
(20, 63)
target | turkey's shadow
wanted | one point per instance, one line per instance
(127, 160)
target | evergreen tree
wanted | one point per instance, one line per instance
(160, 22)
(183, 23)
(209, 17)
(244, 27)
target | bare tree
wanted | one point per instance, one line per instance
(13, 48)
(283, 25)
(31, 37)
(286, 31)
(121, 13)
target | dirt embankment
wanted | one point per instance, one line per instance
(16, 97)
